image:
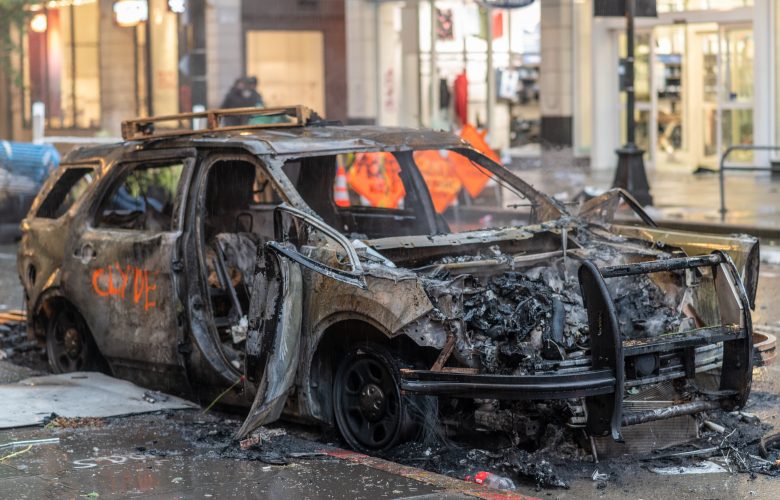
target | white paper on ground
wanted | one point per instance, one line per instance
(78, 394)
(705, 467)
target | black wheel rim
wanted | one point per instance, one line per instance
(68, 344)
(369, 404)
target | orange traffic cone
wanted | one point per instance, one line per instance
(340, 194)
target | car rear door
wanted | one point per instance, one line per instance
(42, 247)
(120, 265)
(273, 339)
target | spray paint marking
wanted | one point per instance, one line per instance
(126, 283)
(92, 462)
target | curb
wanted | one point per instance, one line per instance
(450, 485)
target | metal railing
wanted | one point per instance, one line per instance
(752, 168)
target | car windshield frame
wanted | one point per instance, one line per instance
(546, 208)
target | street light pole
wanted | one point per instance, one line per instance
(630, 93)
(630, 174)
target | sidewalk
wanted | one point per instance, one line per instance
(752, 199)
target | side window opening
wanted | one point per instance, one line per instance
(143, 200)
(68, 189)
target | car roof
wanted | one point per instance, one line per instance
(302, 140)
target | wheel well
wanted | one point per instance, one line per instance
(45, 312)
(339, 338)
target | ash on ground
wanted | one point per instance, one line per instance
(16, 347)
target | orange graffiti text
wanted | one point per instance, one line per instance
(126, 283)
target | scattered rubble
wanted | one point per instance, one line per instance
(56, 421)
(16, 347)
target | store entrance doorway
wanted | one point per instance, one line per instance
(694, 89)
(290, 66)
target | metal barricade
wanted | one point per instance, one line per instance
(753, 168)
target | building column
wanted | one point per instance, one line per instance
(224, 49)
(117, 71)
(605, 124)
(362, 68)
(763, 67)
(556, 74)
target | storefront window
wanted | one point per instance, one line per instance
(738, 130)
(683, 5)
(62, 72)
(738, 66)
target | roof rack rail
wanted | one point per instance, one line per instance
(290, 116)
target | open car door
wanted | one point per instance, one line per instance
(273, 338)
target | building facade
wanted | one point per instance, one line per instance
(706, 78)
(706, 75)
(94, 63)
(545, 76)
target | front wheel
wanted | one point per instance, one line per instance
(69, 345)
(370, 411)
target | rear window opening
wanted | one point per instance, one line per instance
(68, 189)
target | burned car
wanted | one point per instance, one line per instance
(195, 260)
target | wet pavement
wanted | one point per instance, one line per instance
(166, 456)
(751, 198)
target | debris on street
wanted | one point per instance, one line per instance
(17, 347)
(30, 442)
(75, 422)
(705, 467)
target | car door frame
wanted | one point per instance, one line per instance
(273, 339)
(124, 356)
(205, 361)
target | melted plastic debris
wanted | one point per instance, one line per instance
(517, 319)
(508, 319)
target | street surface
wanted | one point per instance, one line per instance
(185, 454)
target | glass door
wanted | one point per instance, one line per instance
(670, 85)
(703, 68)
(736, 88)
(643, 94)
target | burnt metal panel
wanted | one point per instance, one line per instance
(511, 387)
(604, 411)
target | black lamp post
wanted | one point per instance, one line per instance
(630, 174)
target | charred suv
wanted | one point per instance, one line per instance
(316, 264)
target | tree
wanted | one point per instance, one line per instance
(13, 16)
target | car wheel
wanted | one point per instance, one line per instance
(371, 414)
(69, 345)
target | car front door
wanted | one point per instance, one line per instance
(121, 265)
(273, 339)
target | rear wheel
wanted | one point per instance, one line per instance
(370, 411)
(69, 345)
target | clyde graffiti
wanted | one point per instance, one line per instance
(126, 283)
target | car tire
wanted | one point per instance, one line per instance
(69, 344)
(371, 413)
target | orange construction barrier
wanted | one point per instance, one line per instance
(340, 193)
(375, 177)
(439, 175)
(472, 176)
